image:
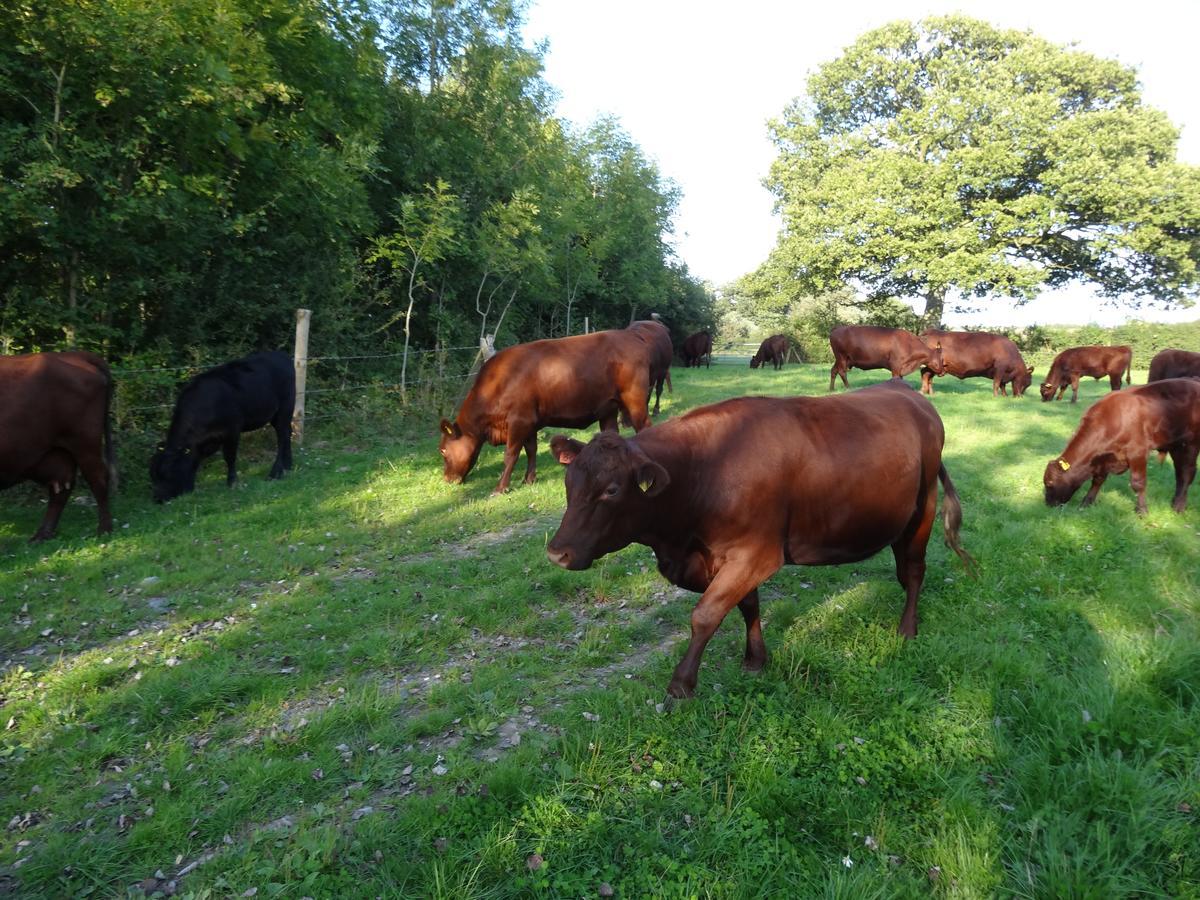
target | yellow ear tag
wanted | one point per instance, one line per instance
(1064, 465)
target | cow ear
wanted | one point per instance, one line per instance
(451, 429)
(652, 478)
(565, 449)
(1031, 368)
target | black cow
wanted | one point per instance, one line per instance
(213, 410)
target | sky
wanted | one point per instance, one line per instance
(694, 82)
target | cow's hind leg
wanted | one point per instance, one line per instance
(531, 459)
(1184, 459)
(909, 551)
(756, 648)
(57, 472)
(229, 450)
(282, 423)
(96, 473)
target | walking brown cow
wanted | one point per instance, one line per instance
(773, 350)
(970, 354)
(873, 347)
(727, 494)
(1119, 431)
(54, 419)
(695, 348)
(1174, 364)
(1075, 362)
(566, 382)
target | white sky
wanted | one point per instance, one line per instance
(694, 82)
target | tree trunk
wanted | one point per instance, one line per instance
(935, 302)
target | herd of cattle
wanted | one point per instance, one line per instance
(724, 495)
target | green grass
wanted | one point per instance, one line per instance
(360, 681)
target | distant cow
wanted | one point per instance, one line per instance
(970, 354)
(1174, 364)
(54, 419)
(1075, 362)
(566, 382)
(872, 347)
(697, 347)
(660, 359)
(727, 494)
(773, 350)
(212, 412)
(1119, 431)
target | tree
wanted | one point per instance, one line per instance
(951, 155)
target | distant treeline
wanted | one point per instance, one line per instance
(177, 177)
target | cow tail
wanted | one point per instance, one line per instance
(1128, 369)
(669, 388)
(110, 460)
(952, 521)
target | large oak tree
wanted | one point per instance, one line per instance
(949, 155)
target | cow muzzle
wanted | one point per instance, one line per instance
(567, 558)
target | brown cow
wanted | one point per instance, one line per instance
(970, 354)
(872, 347)
(773, 350)
(1174, 364)
(662, 352)
(697, 347)
(1119, 431)
(727, 494)
(1075, 362)
(566, 382)
(54, 418)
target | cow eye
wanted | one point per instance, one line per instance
(612, 490)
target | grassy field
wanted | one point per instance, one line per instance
(361, 681)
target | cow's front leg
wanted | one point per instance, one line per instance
(512, 450)
(736, 579)
(1074, 389)
(1097, 482)
(756, 648)
(1137, 481)
(531, 458)
(229, 449)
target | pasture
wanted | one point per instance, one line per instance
(361, 681)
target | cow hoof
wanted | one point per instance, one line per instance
(677, 690)
(753, 666)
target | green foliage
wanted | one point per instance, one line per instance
(178, 177)
(951, 155)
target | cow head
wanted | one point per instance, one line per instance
(459, 451)
(1061, 480)
(755, 361)
(1022, 380)
(173, 471)
(1047, 390)
(609, 485)
(937, 362)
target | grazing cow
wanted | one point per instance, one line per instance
(661, 353)
(54, 419)
(212, 412)
(566, 382)
(727, 494)
(1075, 362)
(697, 347)
(1174, 364)
(968, 354)
(773, 350)
(872, 347)
(1119, 431)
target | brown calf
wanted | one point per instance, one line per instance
(773, 350)
(1119, 431)
(695, 348)
(566, 382)
(1075, 362)
(1174, 364)
(727, 494)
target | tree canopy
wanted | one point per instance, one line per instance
(949, 155)
(176, 177)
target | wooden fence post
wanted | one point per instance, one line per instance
(303, 317)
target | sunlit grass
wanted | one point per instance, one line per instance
(318, 681)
